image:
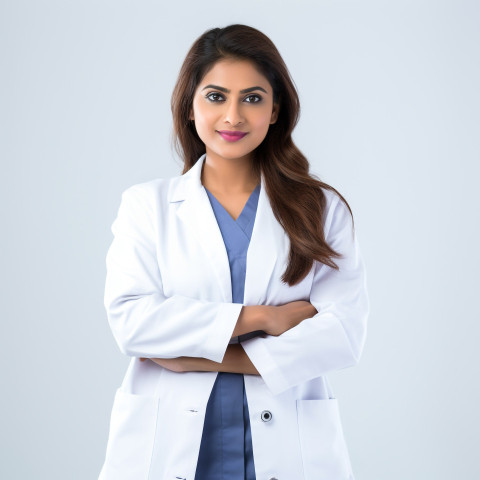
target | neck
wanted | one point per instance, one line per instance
(229, 176)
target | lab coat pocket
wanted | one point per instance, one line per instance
(131, 437)
(324, 452)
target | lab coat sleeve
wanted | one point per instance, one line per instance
(334, 338)
(144, 322)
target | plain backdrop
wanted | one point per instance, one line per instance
(390, 117)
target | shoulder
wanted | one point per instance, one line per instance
(143, 204)
(154, 191)
(336, 210)
(331, 197)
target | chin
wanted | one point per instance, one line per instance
(235, 156)
(232, 153)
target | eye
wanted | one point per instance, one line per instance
(253, 98)
(214, 97)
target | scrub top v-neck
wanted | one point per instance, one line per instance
(226, 451)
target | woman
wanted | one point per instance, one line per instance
(222, 287)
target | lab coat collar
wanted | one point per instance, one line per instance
(265, 244)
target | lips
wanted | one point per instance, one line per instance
(231, 136)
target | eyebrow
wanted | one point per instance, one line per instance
(226, 90)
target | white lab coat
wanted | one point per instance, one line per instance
(168, 294)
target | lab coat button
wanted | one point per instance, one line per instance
(266, 416)
(273, 478)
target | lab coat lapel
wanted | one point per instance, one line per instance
(267, 244)
(197, 214)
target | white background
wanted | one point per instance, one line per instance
(390, 117)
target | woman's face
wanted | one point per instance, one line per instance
(233, 97)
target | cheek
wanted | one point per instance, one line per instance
(205, 119)
(261, 121)
(204, 125)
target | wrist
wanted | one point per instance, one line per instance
(265, 317)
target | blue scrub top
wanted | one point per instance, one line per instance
(226, 451)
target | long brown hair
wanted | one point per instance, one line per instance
(295, 195)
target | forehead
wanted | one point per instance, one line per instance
(235, 75)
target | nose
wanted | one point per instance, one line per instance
(233, 114)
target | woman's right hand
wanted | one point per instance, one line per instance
(273, 320)
(279, 319)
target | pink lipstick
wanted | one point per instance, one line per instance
(231, 136)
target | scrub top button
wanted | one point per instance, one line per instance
(266, 417)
